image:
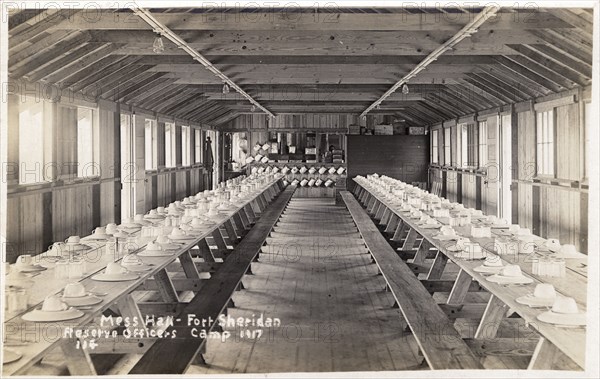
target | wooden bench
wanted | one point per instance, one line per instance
(438, 340)
(174, 356)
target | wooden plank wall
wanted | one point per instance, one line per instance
(308, 121)
(40, 214)
(402, 157)
(551, 210)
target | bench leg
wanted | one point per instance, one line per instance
(460, 288)
(494, 313)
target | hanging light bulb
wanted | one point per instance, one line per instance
(405, 89)
(158, 46)
(225, 88)
(253, 109)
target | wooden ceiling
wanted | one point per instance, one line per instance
(302, 61)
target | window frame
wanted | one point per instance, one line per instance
(39, 172)
(95, 144)
(197, 145)
(153, 124)
(468, 145)
(170, 145)
(448, 147)
(482, 145)
(434, 147)
(545, 122)
(185, 146)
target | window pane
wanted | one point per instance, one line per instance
(31, 147)
(85, 143)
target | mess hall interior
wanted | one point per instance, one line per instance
(208, 189)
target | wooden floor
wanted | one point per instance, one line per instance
(335, 314)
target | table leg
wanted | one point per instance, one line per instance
(422, 252)
(392, 223)
(165, 287)
(385, 216)
(409, 242)
(231, 234)
(204, 251)
(399, 231)
(79, 362)
(438, 266)
(188, 265)
(380, 211)
(460, 289)
(494, 313)
(543, 356)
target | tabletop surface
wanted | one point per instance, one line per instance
(570, 340)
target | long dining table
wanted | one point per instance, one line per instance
(34, 340)
(571, 341)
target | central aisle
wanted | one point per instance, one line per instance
(317, 277)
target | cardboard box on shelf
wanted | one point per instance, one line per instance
(386, 130)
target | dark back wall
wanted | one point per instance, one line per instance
(402, 157)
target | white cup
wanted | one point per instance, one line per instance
(73, 240)
(53, 303)
(24, 260)
(99, 231)
(114, 268)
(544, 291)
(74, 289)
(162, 239)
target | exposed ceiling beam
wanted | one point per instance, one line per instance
(306, 21)
(466, 31)
(163, 30)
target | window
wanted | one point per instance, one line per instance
(447, 151)
(185, 145)
(483, 147)
(170, 157)
(468, 145)
(151, 145)
(87, 135)
(434, 147)
(31, 142)
(545, 143)
(198, 145)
